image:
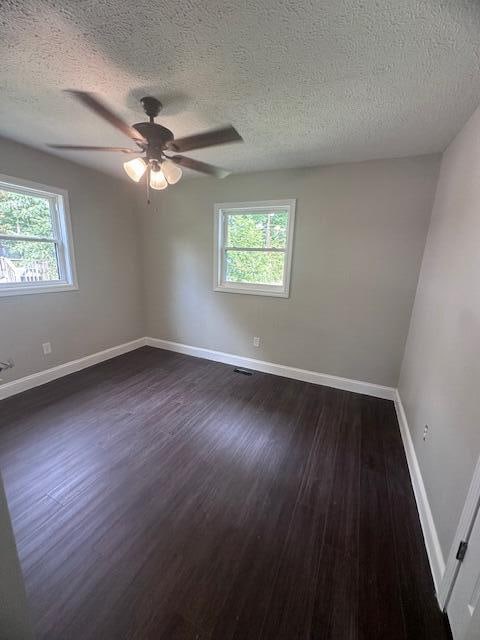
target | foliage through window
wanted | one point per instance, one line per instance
(253, 247)
(35, 249)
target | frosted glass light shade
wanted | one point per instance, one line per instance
(172, 172)
(157, 180)
(135, 168)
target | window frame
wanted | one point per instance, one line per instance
(62, 238)
(221, 212)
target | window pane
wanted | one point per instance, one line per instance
(262, 230)
(25, 215)
(22, 261)
(255, 267)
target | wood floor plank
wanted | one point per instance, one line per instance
(379, 575)
(159, 496)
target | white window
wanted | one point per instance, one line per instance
(36, 252)
(253, 247)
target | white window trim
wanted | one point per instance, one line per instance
(63, 235)
(219, 283)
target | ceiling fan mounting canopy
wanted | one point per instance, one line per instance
(151, 106)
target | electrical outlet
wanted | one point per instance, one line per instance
(425, 432)
(47, 348)
(256, 341)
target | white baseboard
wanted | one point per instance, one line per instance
(357, 386)
(36, 379)
(434, 551)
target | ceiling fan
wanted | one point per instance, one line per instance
(156, 142)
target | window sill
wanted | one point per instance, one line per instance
(36, 288)
(253, 292)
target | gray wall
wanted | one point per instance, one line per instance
(359, 238)
(440, 376)
(14, 615)
(107, 310)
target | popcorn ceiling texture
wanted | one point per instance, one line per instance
(306, 82)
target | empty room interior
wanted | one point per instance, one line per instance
(240, 320)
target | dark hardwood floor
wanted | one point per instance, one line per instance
(162, 497)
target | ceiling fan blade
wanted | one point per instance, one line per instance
(93, 103)
(202, 167)
(208, 139)
(72, 147)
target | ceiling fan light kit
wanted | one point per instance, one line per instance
(135, 168)
(157, 178)
(155, 141)
(172, 171)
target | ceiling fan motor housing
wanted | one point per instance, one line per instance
(158, 137)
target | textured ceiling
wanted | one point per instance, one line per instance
(305, 82)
